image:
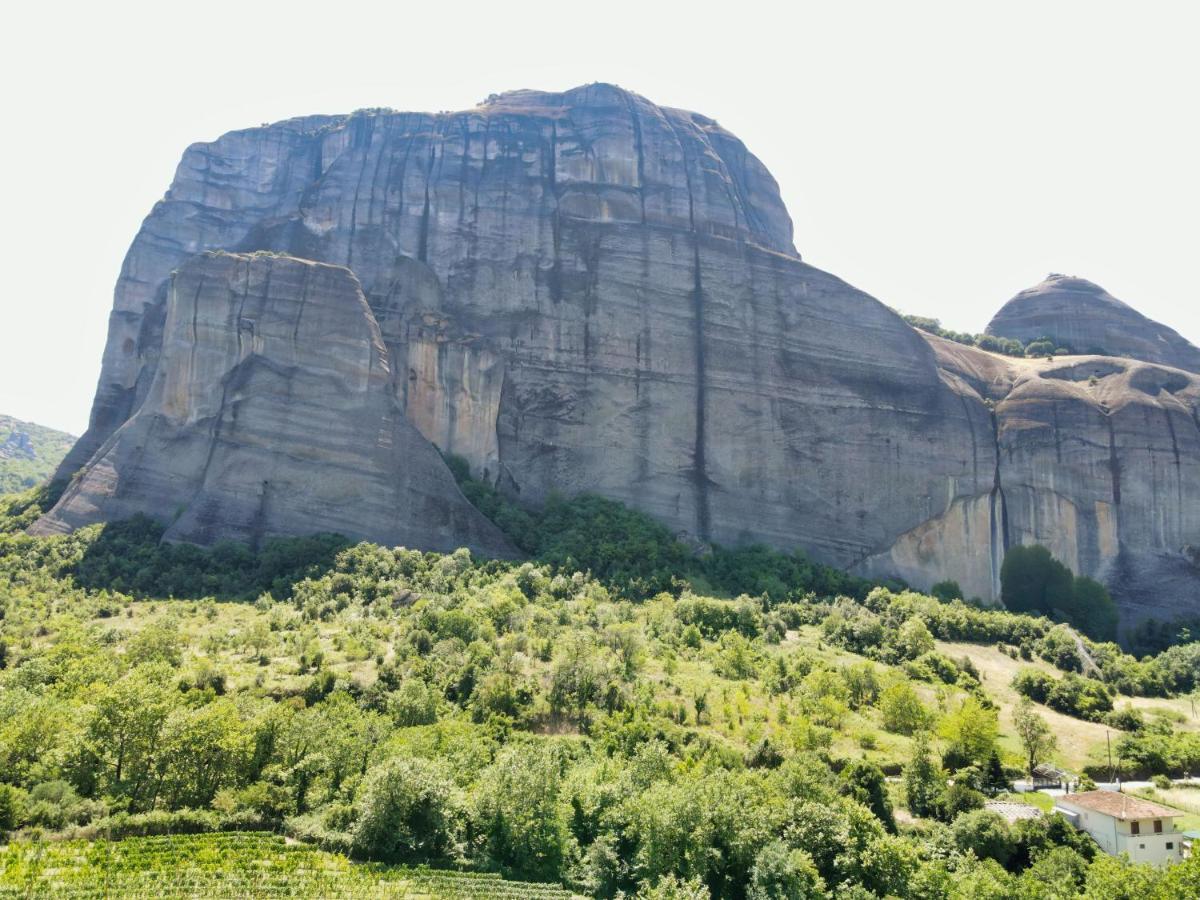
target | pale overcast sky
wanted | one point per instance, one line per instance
(939, 156)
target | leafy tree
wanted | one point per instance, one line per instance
(783, 873)
(903, 712)
(408, 809)
(865, 782)
(913, 639)
(12, 807)
(924, 781)
(985, 834)
(669, 887)
(1093, 609)
(1037, 740)
(947, 591)
(1031, 580)
(516, 811)
(970, 731)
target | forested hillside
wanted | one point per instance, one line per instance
(29, 453)
(614, 715)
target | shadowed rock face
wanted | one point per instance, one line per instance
(270, 414)
(1084, 316)
(588, 292)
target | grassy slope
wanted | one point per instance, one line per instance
(20, 471)
(1079, 742)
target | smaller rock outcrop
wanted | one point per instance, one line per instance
(270, 414)
(1082, 316)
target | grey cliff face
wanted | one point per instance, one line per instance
(1085, 317)
(587, 292)
(1096, 458)
(269, 414)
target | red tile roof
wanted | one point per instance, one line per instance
(1119, 806)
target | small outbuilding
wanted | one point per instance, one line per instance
(1189, 842)
(1120, 824)
(1049, 777)
(1013, 812)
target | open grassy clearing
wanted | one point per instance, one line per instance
(1079, 742)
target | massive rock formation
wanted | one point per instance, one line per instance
(270, 413)
(1083, 316)
(587, 292)
(1094, 457)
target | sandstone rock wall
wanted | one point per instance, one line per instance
(588, 292)
(270, 414)
(1096, 458)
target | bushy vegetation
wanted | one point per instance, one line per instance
(1034, 581)
(536, 720)
(1042, 347)
(638, 557)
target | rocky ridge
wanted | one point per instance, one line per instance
(1079, 314)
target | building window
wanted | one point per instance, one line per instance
(1141, 846)
(1135, 827)
(1170, 845)
(1158, 826)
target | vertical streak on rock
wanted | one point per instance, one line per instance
(195, 324)
(732, 192)
(258, 525)
(423, 239)
(641, 156)
(555, 222)
(464, 172)
(1114, 463)
(362, 170)
(384, 144)
(997, 514)
(699, 456)
(1178, 472)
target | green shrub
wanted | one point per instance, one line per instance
(408, 809)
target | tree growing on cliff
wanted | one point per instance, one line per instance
(1033, 581)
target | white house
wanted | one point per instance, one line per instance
(1120, 824)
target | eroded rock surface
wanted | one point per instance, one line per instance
(270, 414)
(1088, 319)
(1094, 457)
(588, 292)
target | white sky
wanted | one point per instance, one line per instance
(937, 155)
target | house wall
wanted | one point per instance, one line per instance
(1116, 836)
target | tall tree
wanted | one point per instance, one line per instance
(1037, 740)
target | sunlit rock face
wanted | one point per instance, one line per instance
(270, 414)
(1083, 316)
(587, 292)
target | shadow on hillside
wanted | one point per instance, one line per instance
(131, 557)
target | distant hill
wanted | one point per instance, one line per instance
(29, 453)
